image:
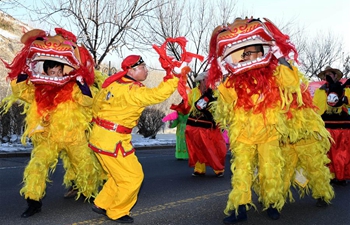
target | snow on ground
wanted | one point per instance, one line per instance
(162, 139)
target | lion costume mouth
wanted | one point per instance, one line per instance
(233, 38)
(227, 44)
(54, 48)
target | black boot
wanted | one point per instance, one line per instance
(233, 218)
(338, 182)
(71, 192)
(33, 207)
(273, 213)
(321, 203)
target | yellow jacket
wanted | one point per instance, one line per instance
(122, 103)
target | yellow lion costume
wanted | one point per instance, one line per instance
(272, 123)
(58, 113)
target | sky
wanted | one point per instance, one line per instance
(314, 15)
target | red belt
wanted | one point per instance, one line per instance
(112, 126)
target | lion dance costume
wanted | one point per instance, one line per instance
(271, 120)
(332, 100)
(58, 113)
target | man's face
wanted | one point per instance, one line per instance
(332, 75)
(55, 72)
(139, 72)
(202, 85)
(250, 53)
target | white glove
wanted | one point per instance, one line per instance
(177, 70)
(276, 51)
(80, 79)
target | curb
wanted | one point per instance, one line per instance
(28, 153)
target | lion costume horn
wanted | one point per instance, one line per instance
(214, 73)
(19, 62)
(282, 40)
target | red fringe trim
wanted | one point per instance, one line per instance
(48, 96)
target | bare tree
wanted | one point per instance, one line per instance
(321, 51)
(150, 122)
(116, 26)
(6, 5)
(346, 65)
(104, 26)
(194, 19)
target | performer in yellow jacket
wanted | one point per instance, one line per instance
(117, 108)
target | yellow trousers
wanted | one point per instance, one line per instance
(311, 156)
(262, 163)
(119, 194)
(201, 168)
(79, 162)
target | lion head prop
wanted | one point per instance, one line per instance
(61, 47)
(228, 42)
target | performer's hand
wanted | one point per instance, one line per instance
(177, 70)
(80, 79)
(22, 77)
(83, 86)
(276, 51)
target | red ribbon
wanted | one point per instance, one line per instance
(168, 63)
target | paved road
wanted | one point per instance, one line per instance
(169, 196)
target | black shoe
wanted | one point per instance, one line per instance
(98, 210)
(71, 193)
(197, 174)
(33, 207)
(125, 219)
(233, 218)
(321, 203)
(220, 174)
(273, 213)
(339, 182)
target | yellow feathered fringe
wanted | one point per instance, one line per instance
(303, 142)
(64, 136)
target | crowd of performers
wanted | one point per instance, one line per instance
(277, 133)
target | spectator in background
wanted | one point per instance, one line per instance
(332, 101)
(205, 143)
(178, 120)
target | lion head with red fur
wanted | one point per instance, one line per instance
(61, 47)
(228, 42)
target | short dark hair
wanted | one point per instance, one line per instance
(51, 64)
(259, 48)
